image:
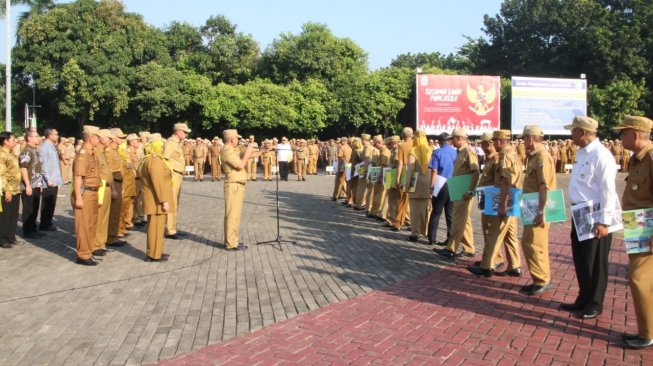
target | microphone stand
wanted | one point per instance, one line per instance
(278, 240)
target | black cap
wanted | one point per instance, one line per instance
(444, 136)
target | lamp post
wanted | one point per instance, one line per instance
(8, 66)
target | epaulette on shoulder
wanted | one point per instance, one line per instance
(82, 151)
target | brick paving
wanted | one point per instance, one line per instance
(348, 292)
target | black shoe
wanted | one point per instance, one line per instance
(465, 255)
(7, 245)
(131, 228)
(99, 253)
(639, 343)
(571, 306)
(496, 266)
(395, 229)
(589, 313)
(165, 255)
(526, 288)
(172, 236)
(140, 223)
(387, 225)
(118, 243)
(304, 179)
(150, 259)
(446, 253)
(515, 272)
(629, 337)
(334, 199)
(442, 243)
(431, 243)
(413, 238)
(487, 273)
(238, 248)
(48, 228)
(87, 262)
(538, 289)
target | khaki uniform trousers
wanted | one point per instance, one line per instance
(535, 243)
(85, 221)
(501, 231)
(376, 207)
(156, 225)
(352, 186)
(171, 220)
(114, 213)
(402, 208)
(267, 169)
(301, 169)
(102, 222)
(339, 185)
(216, 170)
(251, 169)
(419, 215)
(138, 202)
(361, 189)
(199, 169)
(461, 230)
(65, 171)
(126, 214)
(369, 197)
(312, 164)
(641, 282)
(234, 196)
(486, 223)
(390, 205)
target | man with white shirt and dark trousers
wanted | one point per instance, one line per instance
(592, 179)
(284, 157)
(52, 177)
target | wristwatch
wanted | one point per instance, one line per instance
(540, 212)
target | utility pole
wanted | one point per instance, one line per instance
(8, 66)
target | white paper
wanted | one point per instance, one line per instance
(439, 183)
(585, 214)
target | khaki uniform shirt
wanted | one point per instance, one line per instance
(11, 172)
(539, 171)
(85, 166)
(313, 150)
(230, 160)
(403, 150)
(173, 153)
(466, 161)
(300, 153)
(384, 157)
(102, 165)
(639, 183)
(487, 175)
(157, 186)
(509, 167)
(344, 157)
(114, 160)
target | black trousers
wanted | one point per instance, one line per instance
(48, 203)
(439, 203)
(591, 264)
(30, 210)
(9, 219)
(283, 170)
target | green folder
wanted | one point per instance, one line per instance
(458, 186)
(554, 211)
(391, 179)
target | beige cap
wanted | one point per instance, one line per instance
(71, 139)
(637, 123)
(378, 138)
(181, 127)
(251, 136)
(132, 136)
(117, 132)
(584, 123)
(216, 138)
(344, 139)
(105, 133)
(486, 136)
(532, 130)
(395, 138)
(366, 137)
(91, 130)
(407, 131)
(459, 132)
(227, 134)
(154, 137)
(143, 134)
(501, 134)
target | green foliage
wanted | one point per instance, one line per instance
(611, 103)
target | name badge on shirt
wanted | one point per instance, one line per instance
(635, 187)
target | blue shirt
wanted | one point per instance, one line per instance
(50, 164)
(442, 160)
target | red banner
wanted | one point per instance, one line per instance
(445, 102)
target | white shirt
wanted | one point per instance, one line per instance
(593, 178)
(284, 152)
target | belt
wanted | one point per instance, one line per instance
(178, 172)
(117, 180)
(94, 189)
(243, 183)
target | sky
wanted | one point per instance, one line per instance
(383, 28)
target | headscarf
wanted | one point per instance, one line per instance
(421, 151)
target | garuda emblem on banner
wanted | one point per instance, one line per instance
(481, 99)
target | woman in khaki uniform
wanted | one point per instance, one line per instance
(157, 184)
(420, 199)
(352, 185)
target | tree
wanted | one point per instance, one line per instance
(614, 101)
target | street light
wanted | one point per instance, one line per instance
(8, 66)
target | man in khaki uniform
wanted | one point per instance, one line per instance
(173, 153)
(382, 160)
(461, 230)
(199, 157)
(157, 198)
(267, 158)
(135, 149)
(502, 229)
(104, 169)
(128, 183)
(85, 201)
(638, 194)
(188, 152)
(313, 153)
(402, 161)
(214, 154)
(251, 164)
(64, 159)
(369, 189)
(521, 151)
(540, 177)
(234, 186)
(360, 199)
(115, 162)
(344, 156)
(301, 157)
(392, 194)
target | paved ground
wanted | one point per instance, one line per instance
(414, 308)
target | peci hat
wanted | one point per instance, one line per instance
(143, 134)
(459, 132)
(154, 137)
(501, 134)
(532, 130)
(584, 123)
(181, 127)
(228, 134)
(378, 138)
(366, 137)
(637, 123)
(105, 133)
(486, 136)
(132, 136)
